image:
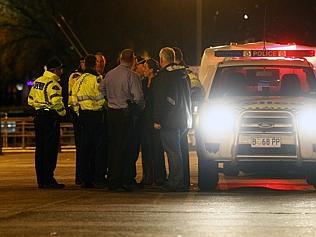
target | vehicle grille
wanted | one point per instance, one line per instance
(265, 123)
(258, 122)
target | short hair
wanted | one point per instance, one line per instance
(178, 55)
(167, 54)
(100, 54)
(90, 61)
(127, 56)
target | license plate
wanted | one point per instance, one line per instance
(266, 142)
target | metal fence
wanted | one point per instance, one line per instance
(18, 134)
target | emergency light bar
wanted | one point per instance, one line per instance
(265, 53)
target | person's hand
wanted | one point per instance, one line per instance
(157, 126)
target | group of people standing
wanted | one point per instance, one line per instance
(140, 105)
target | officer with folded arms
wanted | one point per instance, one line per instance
(46, 98)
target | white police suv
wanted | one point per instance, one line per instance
(259, 113)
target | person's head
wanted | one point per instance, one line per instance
(81, 67)
(151, 68)
(166, 56)
(101, 61)
(127, 57)
(139, 66)
(55, 66)
(90, 62)
(178, 56)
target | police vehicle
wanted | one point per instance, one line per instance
(259, 112)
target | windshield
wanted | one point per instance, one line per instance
(263, 81)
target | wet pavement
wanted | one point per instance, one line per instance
(243, 206)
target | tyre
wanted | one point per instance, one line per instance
(311, 180)
(207, 174)
(231, 170)
(207, 169)
(311, 175)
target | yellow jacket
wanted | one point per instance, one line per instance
(72, 79)
(46, 93)
(86, 94)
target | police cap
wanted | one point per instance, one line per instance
(54, 63)
(140, 60)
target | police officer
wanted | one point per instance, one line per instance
(197, 91)
(46, 98)
(172, 114)
(137, 122)
(196, 96)
(101, 62)
(73, 115)
(153, 160)
(88, 103)
(122, 88)
(101, 166)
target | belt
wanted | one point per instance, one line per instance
(46, 111)
(90, 111)
(118, 109)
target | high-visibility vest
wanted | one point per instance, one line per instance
(72, 79)
(86, 93)
(46, 93)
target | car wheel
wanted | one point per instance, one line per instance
(311, 179)
(231, 170)
(311, 174)
(207, 168)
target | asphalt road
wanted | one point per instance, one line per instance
(241, 206)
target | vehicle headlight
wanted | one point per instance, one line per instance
(307, 121)
(217, 121)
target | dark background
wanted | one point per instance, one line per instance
(29, 35)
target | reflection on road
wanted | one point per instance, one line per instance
(229, 183)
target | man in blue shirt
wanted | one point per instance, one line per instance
(121, 87)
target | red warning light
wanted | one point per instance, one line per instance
(265, 53)
(300, 53)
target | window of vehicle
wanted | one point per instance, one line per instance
(263, 81)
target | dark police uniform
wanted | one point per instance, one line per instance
(46, 97)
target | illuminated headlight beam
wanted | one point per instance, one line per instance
(307, 121)
(217, 121)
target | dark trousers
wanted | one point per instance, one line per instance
(171, 142)
(135, 141)
(153, 161)
(76, 127)
(120, 147)
(47, 131)
(185, 157)
(91, 142)
(101, 161)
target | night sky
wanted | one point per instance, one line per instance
(109, 26)
(150, 25)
